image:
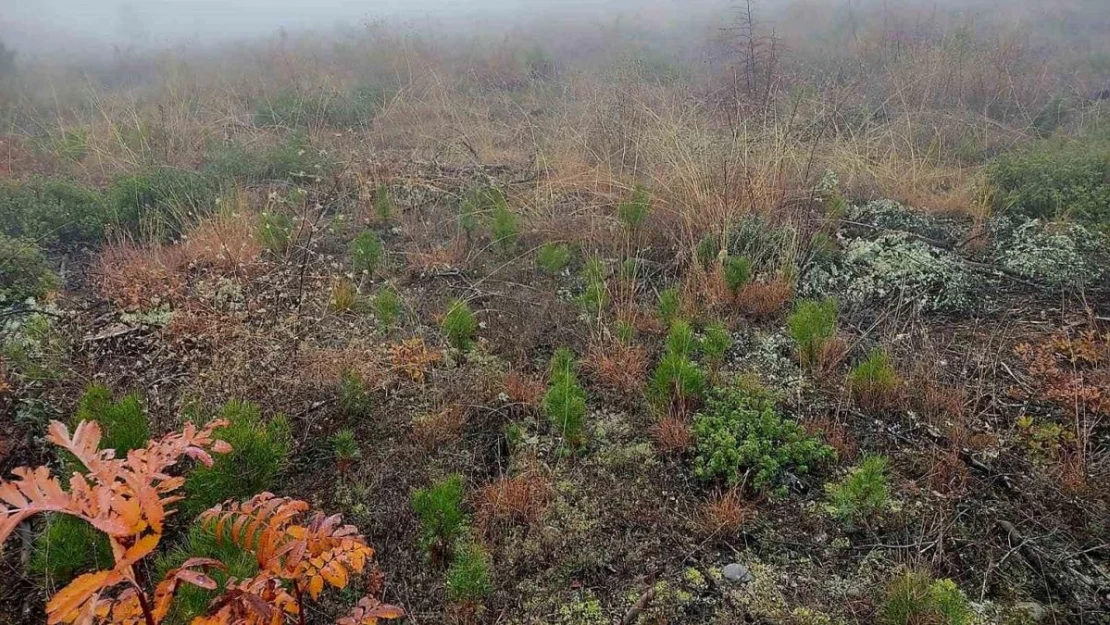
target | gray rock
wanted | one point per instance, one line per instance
(738, 573)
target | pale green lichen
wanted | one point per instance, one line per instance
(1056, 253)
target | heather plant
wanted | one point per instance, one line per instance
(460, 325)
(367, 252)
(260, 451)
(442, 520)
(863, 493)
(742, 438)
(553, 257)
(565, 401)
(811, 326)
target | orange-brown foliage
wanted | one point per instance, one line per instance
(139, 277)
(439, 428)
(726, 513)
(226, 242)
(413, 359)
(513, 500)
(763, 300)
(672, 434)
(522, 389)
(619, 366)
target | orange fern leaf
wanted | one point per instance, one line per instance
(368, 611)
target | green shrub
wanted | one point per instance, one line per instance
(354, 401)
(677, 378)
(504, 223)
(383, 203)
(344, 109)
(468, 578)
(387, 306)
(295, 160)
(460, 325)
(275, 231)
(670, 305)
(52, 211)
(367, 252)
(914, 597)
(715, 344)
(633, 211)
(738, 433)
(1055, 178)
(285, 108)
(863, 493)
(874, 382)
(811, 325)
(595, 297)
(24, 271)
(234, 162)
(123, 423)
(738, 271)
(259, 452)
(345, 449)
(565, 401)
(191, 601)
(553, 257)
(67, 547)
(160, 200)
(442, 521)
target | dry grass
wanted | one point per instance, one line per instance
(725, 514)
(520, 500)
(434, 430)
(413, 359)
(672, 434)
(226, 242)
(140, 277)
(524, 390)
(835, 434)
(764, 300)
(618, 366)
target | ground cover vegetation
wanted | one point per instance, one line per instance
(799, 315)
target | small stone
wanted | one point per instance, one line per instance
(738, 573)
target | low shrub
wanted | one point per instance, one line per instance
(677, 381)
(24, 271)
(275, 231)
(442, 520)
(52, 211)
(738, 271)
(1055, 178)
(345, 449)
(67, 547)
(812, 325)
(915, 597)
(259, 451)
(295, 160)
(863, 493)
(874, 383)
(670, 305)
(367, 252)
(565, 401)
(553, 257)
(739, 437)
(468, 578)
(633, 211)
(388, 306)
(160, 200)
(354, 401)
(460, 325)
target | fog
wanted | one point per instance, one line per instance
(50, 27)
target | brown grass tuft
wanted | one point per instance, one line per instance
(226, 243)
(835, 434)
(618, 366)
(413, 359)
(726, 513)
(139, 277)
(439, 428)
(520, 500)
(764, 300)
(672, 434)
(522, 389)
